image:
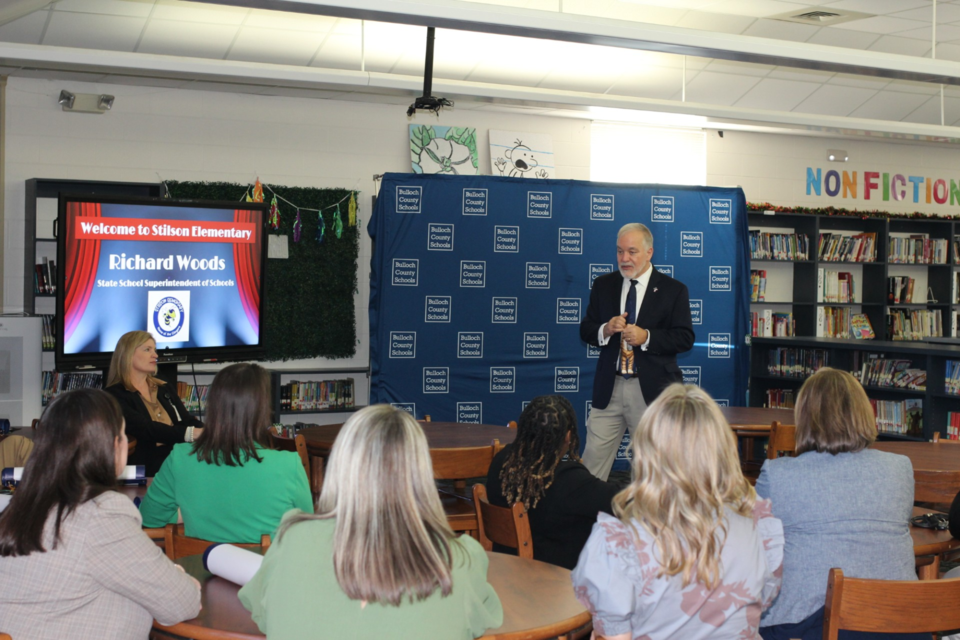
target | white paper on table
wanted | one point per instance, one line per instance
(232, 563)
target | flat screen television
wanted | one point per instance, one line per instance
(189, 272)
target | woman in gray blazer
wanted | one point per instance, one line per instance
(74, 562)
(842, 505)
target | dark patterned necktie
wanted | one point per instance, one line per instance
(626, 353)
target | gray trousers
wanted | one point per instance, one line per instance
(606, 427)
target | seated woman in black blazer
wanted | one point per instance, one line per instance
(154, 414)
(561, 496)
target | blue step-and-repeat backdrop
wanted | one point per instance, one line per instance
(479, 284)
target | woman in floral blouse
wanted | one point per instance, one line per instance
(693, 553)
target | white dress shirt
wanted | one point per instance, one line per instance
(642, 282)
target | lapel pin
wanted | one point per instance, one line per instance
(654, 289)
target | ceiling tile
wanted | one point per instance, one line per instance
(274, 47)
(780, 30)
(945, 33)
(923, 88)
(889, 105)
(718, 88)
(625, 10)
(800, 75)
(843, 38)
(25, 30)
(655, 82)
(878, 7)
(289, 21)
(88, 31)
(741, 68)
(199, 12)
(500, 71)
(834, 101)
(863, 82)
(901, 46)
(927, 113)
(948, 51)
(880, 24)
(717, 22)
(756, 8)
(777, 95)
(338, 51)
(192, 39)
(130, 8)
(581, 78)
(945, 13)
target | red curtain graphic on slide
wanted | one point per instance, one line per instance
(246, 260)
(80, 271)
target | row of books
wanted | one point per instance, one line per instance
(768, 324)
(48, 338)
(194, 397)
(317, 395)
(955, 289)
(917, 249)
(900, 289)
(835, 247)
(842, 322)
(899, 416)
(780, 398)
(953, 425)
(45, 277)
(794, 362)
(779, 246)
(914, 324)
(952, 382)
(758, 285)
(883, 372)
(53, 383)
(835, 286)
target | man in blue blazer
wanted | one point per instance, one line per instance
(641, 320)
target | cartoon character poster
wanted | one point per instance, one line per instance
(448, 150)
(521, 155)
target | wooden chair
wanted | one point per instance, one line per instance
(176, 545)
(458, 465)
(890, 606)
(297, 444)
(5, 636)
(938, 487)
(500, 525)
(938, 440)
(783, 438)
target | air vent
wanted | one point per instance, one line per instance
(821, 16)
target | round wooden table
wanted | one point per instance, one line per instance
(755, 419)
(440, 435)
(930, 542)
(537, 598)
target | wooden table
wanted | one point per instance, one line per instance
(538, 603)
(925, 456)
(440, 435)
(750, 423)
(930, 542)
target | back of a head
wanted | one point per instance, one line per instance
(73, 460)
(686, 469)
(120, 362)
(833, 414)
(392, 539)
(539, 447)
(238, 416)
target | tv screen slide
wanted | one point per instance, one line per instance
(191, 274)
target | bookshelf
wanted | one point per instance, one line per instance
(849, 355)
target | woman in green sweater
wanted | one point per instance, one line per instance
(379, 559)
(229, 485)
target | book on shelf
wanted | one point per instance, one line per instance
(860, 327)
(955, 288)
(194, 397)
(53, 383)
(768, 324)
(953, 425)
(952, 377)
(914, 324)
(48, 338)
(45, 277)
(758, 285)
(321, 395)
(780, 399)
(794, 362)
(917, 249)
(899, 416)
(894, 373)
(834, 322)
(835, 247)
(900, 289)
(779, 246)
(835, 286)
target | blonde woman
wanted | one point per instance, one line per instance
(694, 554)
(154, 414)
(378, 559)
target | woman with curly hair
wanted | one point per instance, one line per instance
(692, 554)
(542, 470)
